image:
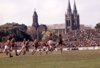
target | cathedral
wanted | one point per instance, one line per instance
(72, 22)
(35, 23)
(38, 28)
(72, 19)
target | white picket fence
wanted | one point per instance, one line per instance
(83, 48)
(78, 48)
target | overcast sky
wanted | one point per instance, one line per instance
(49, 11)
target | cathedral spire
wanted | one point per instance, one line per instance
(34, 9)
(72, 19)
(35, 19)
(35, 13)
(75, 9)
(69, 10)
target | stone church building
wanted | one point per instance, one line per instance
(38, 28)
(72, 21)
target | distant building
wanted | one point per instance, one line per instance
(60, 28)
(57, 28)
(35, 23)
(37, 27)
(72, 19)
(84, 27)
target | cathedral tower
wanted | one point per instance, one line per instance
(72, 18)
(35, 20)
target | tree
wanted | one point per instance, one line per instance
(49, 34)
(45, 35)
(32, 32)
(97, 26)
(18, 31)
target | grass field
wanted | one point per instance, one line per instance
(70, 59)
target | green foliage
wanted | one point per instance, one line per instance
(18, 31)
(11, 26)
(46, 35)
(97, 26)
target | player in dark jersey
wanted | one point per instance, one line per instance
(60, 42)
(14, 46)
(35, 45)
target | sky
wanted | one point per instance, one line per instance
(49, 11)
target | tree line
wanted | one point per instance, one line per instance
(21, 31)
(18, 31)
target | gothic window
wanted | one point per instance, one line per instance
(68, 22)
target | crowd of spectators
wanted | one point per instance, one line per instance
(82, 38)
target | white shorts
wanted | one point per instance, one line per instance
(6, 47)
(45, 48)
